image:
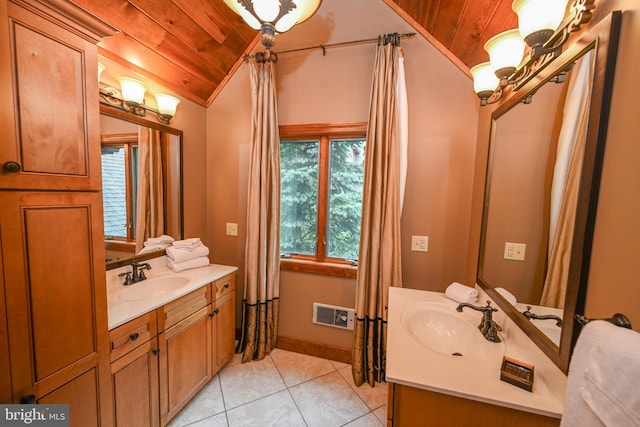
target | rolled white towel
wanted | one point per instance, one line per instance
(507, 295)
(461, 293)
(160, 240)
(180, 255)
(189, 264)
(187, 243)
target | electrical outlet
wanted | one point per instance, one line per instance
(232, 229)
(420, 243)
(514, 251)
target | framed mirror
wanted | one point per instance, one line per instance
(544, 166)
(123, 139)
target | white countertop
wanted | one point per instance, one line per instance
(412, 364)
(121, 311)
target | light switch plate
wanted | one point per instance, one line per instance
(514, 251)
(232, 229)
(420, 243)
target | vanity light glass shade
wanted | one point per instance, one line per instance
(484, 79)
(538, 15)
(266, 11)
(132, 90)
(101, 68)
(505, 52)
(166, 104)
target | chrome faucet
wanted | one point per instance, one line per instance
(529, 315)
(136, 274)
(488, 327)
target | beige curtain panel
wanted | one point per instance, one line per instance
(379, 263)
(262, 248)
(150, 197)
(572, 133)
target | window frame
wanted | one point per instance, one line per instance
(323, 133)
(128, 141)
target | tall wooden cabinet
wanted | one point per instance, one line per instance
(53, 330)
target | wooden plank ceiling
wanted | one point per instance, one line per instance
(190, 46)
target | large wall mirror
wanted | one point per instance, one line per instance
(126, 140)
(541, 190)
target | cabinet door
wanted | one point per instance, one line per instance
(50, 108)
(223, 331)
(184, 363)
(135, 387)
(54, 278)
(78, 394)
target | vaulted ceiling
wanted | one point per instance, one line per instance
(192, 46)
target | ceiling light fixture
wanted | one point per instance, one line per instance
(541, 27)
(130, 98)
(273, 16)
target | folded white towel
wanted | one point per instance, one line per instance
(511, 299)
(186, 265)
(187, 243)
(461, 293)
(180, 255)
(602, 386)
(152, 248)
(160, 240)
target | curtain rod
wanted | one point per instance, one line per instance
(324, 47)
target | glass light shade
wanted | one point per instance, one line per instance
(101, 68)
(505, 52)
(167, 104)
(132, 90)
(538, 15)
(484, 79)
(268, 11)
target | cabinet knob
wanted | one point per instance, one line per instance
(216, 311)
(213, 313)
(226, 286)
(134, 336)
(28, 399)
(156, 351)
(11, 167)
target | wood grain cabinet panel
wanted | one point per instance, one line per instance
(51, 97)
(223, 320)
(80, 394)
(135, 386)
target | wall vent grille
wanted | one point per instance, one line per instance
(331, 315)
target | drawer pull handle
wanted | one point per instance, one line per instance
(28, 399)
(226, 286)
(156, 351)
(133, 336)
(12, 167)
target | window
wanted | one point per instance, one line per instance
(321, 196)
(119, 184)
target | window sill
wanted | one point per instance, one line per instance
(324, 268)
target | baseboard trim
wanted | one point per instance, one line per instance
(326, 351)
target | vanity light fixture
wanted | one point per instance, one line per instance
(541, 27)
(130, 98)
(273, 16)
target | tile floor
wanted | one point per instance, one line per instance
(285, 389)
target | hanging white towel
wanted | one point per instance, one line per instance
(180, 255)
(187, 265)
(461, 293)
(602, 387)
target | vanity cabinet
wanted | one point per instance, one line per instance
(134, 372)
(409, 406)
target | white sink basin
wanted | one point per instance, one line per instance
(440, 328)
(151, 287)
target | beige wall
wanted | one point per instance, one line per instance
(614, 284)
(313, 88)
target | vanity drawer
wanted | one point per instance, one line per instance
(132, 334)
(181, 308)
(224, 286)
